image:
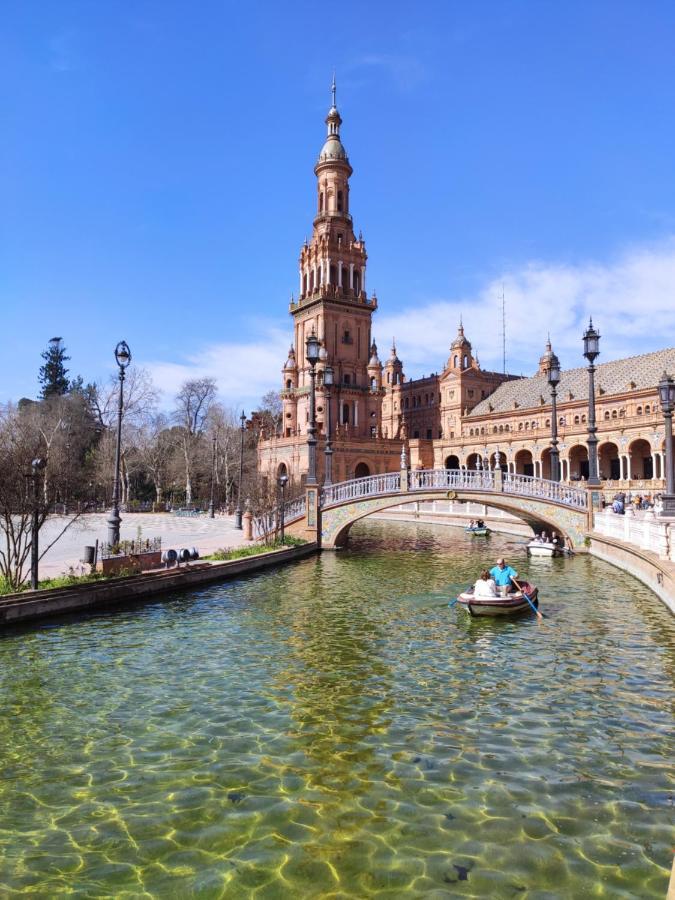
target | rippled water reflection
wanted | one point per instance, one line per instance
(332, 729)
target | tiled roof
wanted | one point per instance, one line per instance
(619, 376)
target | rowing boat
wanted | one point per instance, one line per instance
(500, 606)
(478, 532)
(544, 548)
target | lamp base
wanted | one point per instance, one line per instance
(668, 508)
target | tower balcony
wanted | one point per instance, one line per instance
(334, 292)
(326, 214)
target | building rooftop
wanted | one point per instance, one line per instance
(636, 373)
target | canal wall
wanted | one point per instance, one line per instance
(657, 574)
(458, 515)
(41, 605)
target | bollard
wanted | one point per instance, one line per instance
(248, 525)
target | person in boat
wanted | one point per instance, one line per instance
(472, 525)
(554, 538)
(480, 524)
(485, 586)
(502, 575)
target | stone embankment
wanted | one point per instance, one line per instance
(40, 605)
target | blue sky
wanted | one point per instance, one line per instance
(156, 178)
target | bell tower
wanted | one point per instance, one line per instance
(334, 304)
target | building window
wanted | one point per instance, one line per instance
(347, 378)
(289, 384)
(639, 411)
(469, 393)
(647, 410)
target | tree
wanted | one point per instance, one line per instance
(22, 440)
(191, 412)
(267, 417)
(53, 373)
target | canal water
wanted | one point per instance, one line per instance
(333, 729)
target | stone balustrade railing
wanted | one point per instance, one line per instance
(642, 530)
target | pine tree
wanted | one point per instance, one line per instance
(53, 374)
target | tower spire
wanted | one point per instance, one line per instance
(333, 87)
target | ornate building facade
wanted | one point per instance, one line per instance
(462, 417)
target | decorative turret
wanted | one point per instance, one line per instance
(460, 351)
(547, 359)
(374, 369)
(290, 371)
(394, 368)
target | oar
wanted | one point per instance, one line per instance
(529, 600)
(456, 600)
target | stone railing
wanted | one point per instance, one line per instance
(557, 491)
(455, 479)
(344, 491)
(468, 479)
(642, 530)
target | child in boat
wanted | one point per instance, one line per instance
(485, 586)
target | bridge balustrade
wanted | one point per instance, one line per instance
(469, 479)
(343, 491)
(544, 489)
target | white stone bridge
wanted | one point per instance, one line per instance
(538, 502)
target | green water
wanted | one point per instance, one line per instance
(332, 729)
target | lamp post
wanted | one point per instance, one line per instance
(553, 376)
(36, 467)
(328, 452)
(238, 510)
(122, 358)
(312, 351)
(282, 482)
(667, 399)
(213, 477)
(591, 352)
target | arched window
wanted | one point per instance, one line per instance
(407, 403)
(583, 420)
(520, 426)
(576, 420)
(339, 201)
(347, 378)
(614, 414)
(466, 362)
(388, 377)
(345, 413)
(494, 429)
(501, 429)
(304, 283)
(289, 384)
(639, 411)
(548, 423)
(647, 409)
(321, 202)
(373, 384)
(606, 414)
(456, 361)
(507, 428)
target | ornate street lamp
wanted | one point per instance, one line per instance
(282, 481)
(312, 352)
(328, 452)
(667, 400)
(123, 358)
(553, 376)
(591, 352)
(238, 510)
(36, 466)
(213, 476)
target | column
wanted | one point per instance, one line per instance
(340, 273)
(300, 292)
(351, 276)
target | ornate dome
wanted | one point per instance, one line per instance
(290, 362)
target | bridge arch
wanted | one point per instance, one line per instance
(337, 521)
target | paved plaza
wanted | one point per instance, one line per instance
(200, 531)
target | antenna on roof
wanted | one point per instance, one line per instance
(503, 330)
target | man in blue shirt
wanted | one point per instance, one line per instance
(502, 575)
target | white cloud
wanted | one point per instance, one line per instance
(243, 371)
(631, 300)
